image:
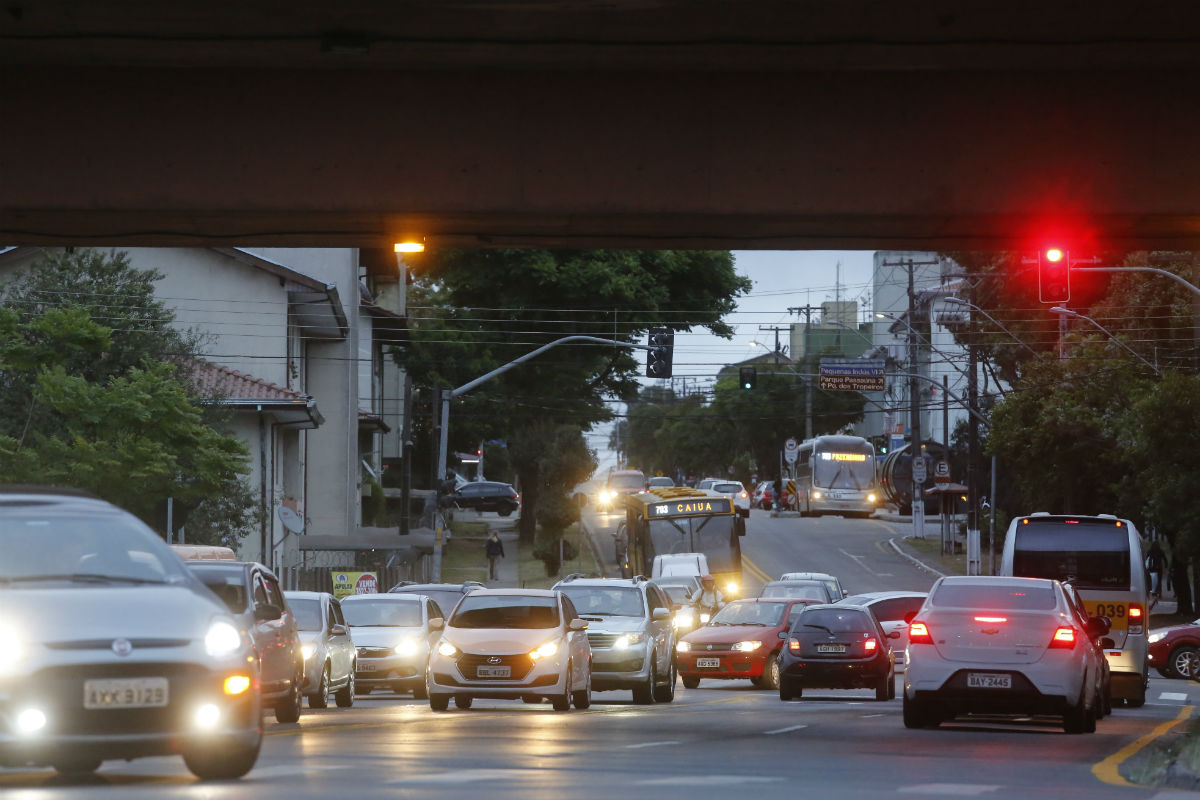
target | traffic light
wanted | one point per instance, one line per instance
(749, 377)
(1054, 275)
(659, 357)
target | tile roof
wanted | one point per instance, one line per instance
(217, 380)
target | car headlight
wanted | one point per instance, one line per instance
(1155, 637)
(222, 639)
(816, 495)
(684, 619)
(408, 647)
(11, 648)
(629, 640)
(447, 649)
(545, 651)
(871, 498)
(683, 647)
(306, 650)
(731, 587)
(704, 618)
(746, 647)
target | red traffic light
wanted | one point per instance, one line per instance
(1054, 255)
(1054, 275)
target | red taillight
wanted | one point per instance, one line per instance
(1135, 612)
(991, 619)
(1063, 639)
(869, 645)
(1136, 618)
(794, 645)
(919, 634)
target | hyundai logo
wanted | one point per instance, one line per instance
(122, 647)
(493, 659)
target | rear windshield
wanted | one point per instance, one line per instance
(1091, 555)
(526, 613)
(445, 598)
(834, 620)
(807, 591)
(625, 481)
(381, 613)
(995, 597)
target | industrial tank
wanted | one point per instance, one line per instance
(895, 475)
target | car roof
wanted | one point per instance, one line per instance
(765, 600)
(796, 582)
(392, 598)
(993, 580)
(516, 593)
(417, 588)
(300, 594)
(886, 595)
(630, 582)
(225, 567)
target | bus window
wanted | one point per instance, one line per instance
(1091, 556)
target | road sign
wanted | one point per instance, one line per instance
(789, 451)
(919, 470)
(852, 374)
(941, 472)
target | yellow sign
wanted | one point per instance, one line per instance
(348, 583)
(844, 456)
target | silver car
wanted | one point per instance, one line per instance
(329, 655)
(111, 649)
(393, 637)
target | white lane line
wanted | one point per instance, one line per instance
(868, 716)
(708, 780)
(468, 776)
(860, 560)
(949, 789)
(650, 744)
(784, 730)
(1179, 697)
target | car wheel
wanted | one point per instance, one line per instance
(439, 702)
(320, 698)
(917, 715)
(1182, 662)
(583, 698)
(787, 692)
(690, 681)
(288, 709)
(420, 691)
(666, 692)
(1075, 717)
(532, 699)
(885, 687)
(222, 763)
(76, 767)
(345, 695)
(644, 694)
(770, 676)
(463, 701)
(1139, 697)
(892, 687)
(506, 511)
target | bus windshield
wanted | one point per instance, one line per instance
(843, 468)
(1090, 555)
(713, 536)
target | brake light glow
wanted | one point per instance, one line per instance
(919, 634)
(1136, 618)
(1135, 612)
(794, 645)
(991, 619)
(1071, 521)
(869, 645)
(1063, 639)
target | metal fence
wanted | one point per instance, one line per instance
(320, 579)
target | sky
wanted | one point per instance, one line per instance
(782, 280)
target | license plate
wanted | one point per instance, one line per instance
(364, 666)
(831, 648)
(987, 680)
(493, 672)
(125, 693)
(708, 662)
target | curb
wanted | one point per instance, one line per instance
(916, 562)
(593, 547)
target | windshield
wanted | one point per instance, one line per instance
(625, 482)
(678, 594)
(307, 611)
(808, 591)
(1090, 555)
(446, 599)
(603, 601)
(750, 613)
(381, 613)
(41, 543)
(225, 584)
(845, 467)
(834, 621)
(728, 488)
(506, 611)
(712, 536)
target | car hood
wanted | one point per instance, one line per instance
(614, 624)
(494, 640)
(382, 637)
(731, 633)
(110, 612)
(1187, 626)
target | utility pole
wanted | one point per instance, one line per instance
(974, 560)
(917, 446)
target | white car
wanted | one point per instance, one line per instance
(1003, 646)
(394, 635)
(893, 609)
(512, 644)
(327, 647)
(741, 498)
(831, 582)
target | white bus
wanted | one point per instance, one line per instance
(1101, 556)
(836, 475)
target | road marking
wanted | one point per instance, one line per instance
(868, 716)
(860, 560)
(650, 744)
(755, 570)
(469, 776)
(1108, 769)
(952, 789)
(708, 780)
(784, 730)
(1179, 697)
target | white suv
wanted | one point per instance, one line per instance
(998, 645)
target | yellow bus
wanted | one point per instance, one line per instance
(683, 520)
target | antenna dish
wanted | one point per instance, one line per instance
(290, 519)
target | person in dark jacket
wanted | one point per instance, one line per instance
(495, 549)
(778, 498)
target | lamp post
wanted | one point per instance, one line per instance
(1068, 312)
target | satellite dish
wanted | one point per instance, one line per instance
(290, 519)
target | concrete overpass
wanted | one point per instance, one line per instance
(628, 123)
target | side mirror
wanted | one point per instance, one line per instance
(909, 617)
(267, 613)
(1107, 643)
(894, 635)
(436, 623)
(660, 613)
(783, 634)
(339, 630)
(1098, 626)
(578, 624)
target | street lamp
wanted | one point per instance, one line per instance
(1068, 312)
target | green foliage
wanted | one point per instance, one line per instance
(551, 459)
(374, 508)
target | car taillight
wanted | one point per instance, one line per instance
(794, 645)
(869, 645)
(1063, 639)
(919, 634)
(1136, 618)
(991, 619)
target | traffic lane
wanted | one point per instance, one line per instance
(721, 737)
(855, 550)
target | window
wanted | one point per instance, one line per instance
(603, 601)
(382, 613)
(506, 611)
(308, 613)
(897, 607)
(1013, 597)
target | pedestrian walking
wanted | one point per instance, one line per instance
(495, 549)
(778, 498)
(1156, 564)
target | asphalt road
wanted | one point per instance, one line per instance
(721, 739)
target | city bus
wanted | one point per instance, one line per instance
(683, 520)
(1101, 556)
(836, 475)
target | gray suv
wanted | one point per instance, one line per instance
(631, 634)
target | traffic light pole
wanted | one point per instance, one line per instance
(446, 395)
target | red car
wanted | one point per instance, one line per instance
(740, 641)
(1175, 651)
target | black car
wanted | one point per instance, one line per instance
(446, 595)
(485, 496)
(837, 647)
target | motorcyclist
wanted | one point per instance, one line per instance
(710, 600)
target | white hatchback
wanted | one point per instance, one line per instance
(1002, 646)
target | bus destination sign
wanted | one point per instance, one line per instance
(689, 507)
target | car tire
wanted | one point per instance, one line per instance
(363, 690)
(1182, 662)
(1075, 717)
(345, 695)
(288, 709)
(644, 694)
(222, 763)
(463, 701)
(76, 767)
(320, 698)
(1138, 699)
(439, 702)
(770, 676)
(690, 681)
(532, 699)
(506, 511)
(885, 687)
(917, 715)
(788, 692)
(583, 698)
(892, 687)
(665, 692)
(420, 691)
